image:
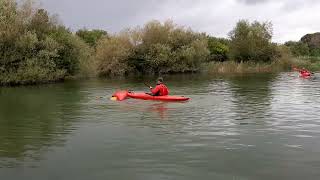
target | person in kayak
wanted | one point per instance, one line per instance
(304, 72)
(160, 89)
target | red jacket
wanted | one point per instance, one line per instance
(304, 71)
(160, 90)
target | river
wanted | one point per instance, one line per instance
(258, 126)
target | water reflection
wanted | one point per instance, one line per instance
(160, 109)
(252, 96)
(251, 127)
(149, 109)
(34, 118)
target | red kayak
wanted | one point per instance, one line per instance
(303, 72)
(122, 95)
(144, 96)
(305, 75)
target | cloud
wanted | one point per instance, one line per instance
(291, 18)
(252, 2)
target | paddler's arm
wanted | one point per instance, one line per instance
(155, 90)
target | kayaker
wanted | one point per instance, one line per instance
(303, 71)
(160, 89)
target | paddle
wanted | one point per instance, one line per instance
(147, 85)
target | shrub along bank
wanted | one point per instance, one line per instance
(35, 48)
(153, 49)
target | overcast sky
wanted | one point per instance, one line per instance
(291, 18)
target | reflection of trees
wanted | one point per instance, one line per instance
(34, 118)
(252, 95)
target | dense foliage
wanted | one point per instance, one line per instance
(219, 49)
(252, 42)
(154, 49)
(308, 46)
(298, 48)
(34, 47)
(91, 37)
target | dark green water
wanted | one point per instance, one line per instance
(248, 127)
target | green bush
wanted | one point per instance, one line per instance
(298, 48)
(252, 42)
(315, 52)
(112, 56)
(219, 49)
(154, 49)
(91, 37)
(34, 48)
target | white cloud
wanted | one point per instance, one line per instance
(291, 18)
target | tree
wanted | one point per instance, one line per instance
(252, 42)
(219, 48)
(112, 56)
(91, 37)
(34, 48)
(155, 48)
(298, 48)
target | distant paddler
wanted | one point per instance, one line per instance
(303, 72)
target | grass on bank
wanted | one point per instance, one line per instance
(313, 64)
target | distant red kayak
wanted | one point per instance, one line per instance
(144, 96)
(305, 75)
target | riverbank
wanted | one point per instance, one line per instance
(232, 67)
(211, 68)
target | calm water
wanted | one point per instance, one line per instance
(235, 127)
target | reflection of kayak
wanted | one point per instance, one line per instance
(144, 96)
(122, 95)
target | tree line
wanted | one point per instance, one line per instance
(36, 48)
(303, 48)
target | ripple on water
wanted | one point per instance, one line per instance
(270, 121)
